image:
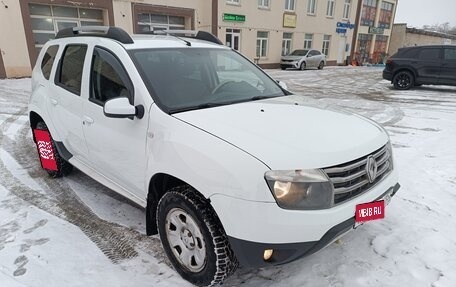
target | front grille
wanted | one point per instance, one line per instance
(350, 179)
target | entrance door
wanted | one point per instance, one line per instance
(233, 37)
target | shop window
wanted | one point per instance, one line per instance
(386, 15)
(286, 43)
(308, 39)
(326, 44)
(262, 44)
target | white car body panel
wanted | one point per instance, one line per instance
(287, 136)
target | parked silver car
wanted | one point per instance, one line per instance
(302, 59)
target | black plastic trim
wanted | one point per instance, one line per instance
(250, 254)
(63, 152)
(114, 33)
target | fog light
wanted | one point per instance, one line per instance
(267, 254)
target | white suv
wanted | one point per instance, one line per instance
(229, 165)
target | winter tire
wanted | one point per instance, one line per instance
(193, 237)
(322, 64)
(303, 66)
(403, 80)
(63, 167)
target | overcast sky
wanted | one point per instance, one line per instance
(417, 13)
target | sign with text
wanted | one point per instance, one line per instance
(345, 25)
(289, 20)
(370, 211)
(233, 17)
(341, 30)
(376, 30)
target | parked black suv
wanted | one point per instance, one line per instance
(422, 65)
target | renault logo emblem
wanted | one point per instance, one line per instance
(371, 168)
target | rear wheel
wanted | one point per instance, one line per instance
(403, 80)
(63, 167)
(193, 237)
(303, 66)
(322, 64)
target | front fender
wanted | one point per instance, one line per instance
(204, 161)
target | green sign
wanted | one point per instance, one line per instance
(376, 30)
(233, 17)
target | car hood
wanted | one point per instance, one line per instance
(294, 58)
(290, 132)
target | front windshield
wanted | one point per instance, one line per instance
(299, 53)
(183, 79)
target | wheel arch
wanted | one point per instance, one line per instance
(34, 119)
(159, 184)
(405, 69)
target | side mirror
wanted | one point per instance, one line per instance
(282, 85)
(121, 108)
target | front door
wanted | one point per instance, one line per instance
(233, 38)
(117, 146)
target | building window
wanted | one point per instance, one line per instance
(290, 5)
(330, 8)
(262, 44)
(364, 46)
(346, 14)
(368, 12)
(379, 55)
(233, 2)
(326, 43)
(386, 15)
(263, 4)
(47, 20)
(232, 38)
(308, 39)
(286, 43)
(311, 6)
(155, 22)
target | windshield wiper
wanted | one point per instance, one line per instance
(198, 107)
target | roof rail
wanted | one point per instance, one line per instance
(200, 35)
(114, 33)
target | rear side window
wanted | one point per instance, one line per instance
(408, 53)
(108, 78)
(430, 54)
(69, 75)
(450, 54)
(48, 60)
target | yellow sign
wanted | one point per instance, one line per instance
(289, 20)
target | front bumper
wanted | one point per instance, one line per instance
(294, 64)
(251, 253)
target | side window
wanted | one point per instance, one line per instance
(432, 54)
(69, 75)
(48, 60)
(450, 54)
(108, 78)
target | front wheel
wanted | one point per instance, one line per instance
(63, 167)
(303, 66)
(283, 67)
(193, 237)
(403, 80)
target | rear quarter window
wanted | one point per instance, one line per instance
(48, 61)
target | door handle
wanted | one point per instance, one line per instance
(87, 120)
(54, 102)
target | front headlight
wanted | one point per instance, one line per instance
(306, 189)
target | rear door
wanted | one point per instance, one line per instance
(448, 74)
(312, 58)
(429, 65)
(64, 99)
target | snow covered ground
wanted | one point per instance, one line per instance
(75, 232)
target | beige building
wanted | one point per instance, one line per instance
(262, 30)
(373, 30)
(402, 36)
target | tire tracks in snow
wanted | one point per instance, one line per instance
(116, 241)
